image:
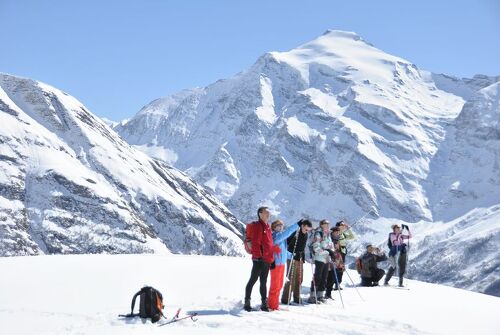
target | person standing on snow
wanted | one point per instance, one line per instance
(344, 235)
(280, 256)
(323, 248)
(397, 247)
(295, 265)
(262, 257)
(336, 268)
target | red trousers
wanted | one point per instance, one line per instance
(277, 277)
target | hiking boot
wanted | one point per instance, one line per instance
(328, 296)
(386, 283)
(264, 307)
(400, 282)
(336, 288)
(321, 296)
(247, 307)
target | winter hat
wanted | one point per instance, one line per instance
(395, 226)
(305, 222)
(368, 246)
(324, 221)
(338, 224)
(276, 223)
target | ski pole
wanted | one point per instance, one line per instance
(352, 281)
(314, 285)
(338, 286)
(292, 265)
(407, 256)
(360, 219)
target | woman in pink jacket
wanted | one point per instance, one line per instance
(397, 252)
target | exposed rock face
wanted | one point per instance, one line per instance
(69, 184)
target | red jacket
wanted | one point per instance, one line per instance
(262, 241)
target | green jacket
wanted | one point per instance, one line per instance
(347, 235)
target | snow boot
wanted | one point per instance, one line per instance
(321, 296)
(401, 282)
(264, 307)
(247, 307)
(312, 298)
(389, 274)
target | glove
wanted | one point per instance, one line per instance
(405, 227)
(299, 223)
(276, 249)
(331, 253)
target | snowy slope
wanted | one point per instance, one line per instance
(69, 184)
(462, 87)
(465, 172)
(83, 294)
(333, 126)
(462, 253)
(337, 128)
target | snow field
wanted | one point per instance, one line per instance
(84, 294)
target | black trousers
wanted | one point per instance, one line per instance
(374, 279)
(320, 276)
(260, 270)
(331, 279)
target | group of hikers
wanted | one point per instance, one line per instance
(274, 246)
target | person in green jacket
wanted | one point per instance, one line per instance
(340, 234)
(345, 234)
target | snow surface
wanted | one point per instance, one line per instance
(83, 294)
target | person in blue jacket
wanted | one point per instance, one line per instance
(280, 256)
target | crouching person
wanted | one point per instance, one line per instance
(370, 273)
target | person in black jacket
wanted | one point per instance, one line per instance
(370, 273)
(295, 266)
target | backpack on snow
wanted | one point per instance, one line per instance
(150, 304)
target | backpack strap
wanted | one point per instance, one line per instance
(133, 302)
(131, 314)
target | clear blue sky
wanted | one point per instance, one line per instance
(118, 55)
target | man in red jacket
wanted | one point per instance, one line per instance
(262, 256)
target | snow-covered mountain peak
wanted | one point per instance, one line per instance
(349, 56)
(70, 184)
(328, 107)
(492, 92)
